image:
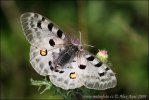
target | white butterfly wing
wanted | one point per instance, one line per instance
(37, 26)
(97, 74)
(71, 76)
(45, 39)
(89, 71)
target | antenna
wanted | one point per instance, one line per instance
(88, 45)
(84, 44)
(80, 37)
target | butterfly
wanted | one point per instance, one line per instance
(63, 59)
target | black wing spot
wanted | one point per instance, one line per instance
(50, 26)
(98, 64)
(59, 33)
(51, 42)
(61, 71)
(52, 68)
(56, 70)
(39, 24)
(91, 58)
(82, 66)
(101, 74)
(43, 19)
(107, 69)
(49, 63)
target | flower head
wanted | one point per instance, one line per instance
(102, 55)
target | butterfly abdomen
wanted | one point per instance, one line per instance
(66, 55)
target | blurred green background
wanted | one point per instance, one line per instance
(118, 26)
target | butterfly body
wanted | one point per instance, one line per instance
(66, 55)
(53, 53)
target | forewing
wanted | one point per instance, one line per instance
(37, 26)
(46, 41)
